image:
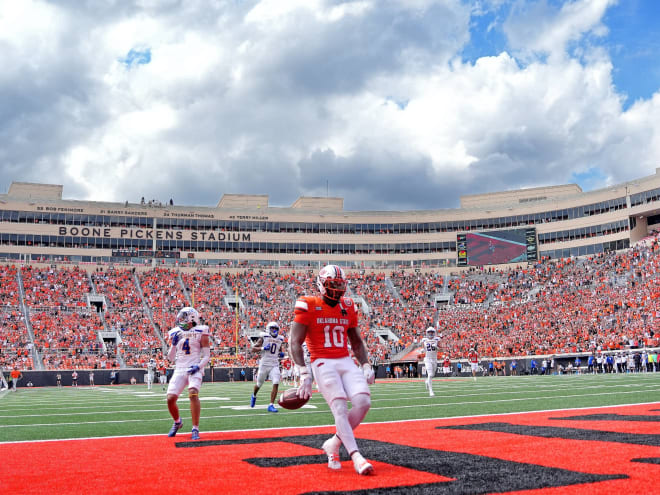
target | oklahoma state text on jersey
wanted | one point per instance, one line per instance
(326, 325)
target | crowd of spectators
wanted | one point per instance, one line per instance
(608, 301)
(62, 288)
(125, 314)
(15, 345)
(604, 302)
(65, 329)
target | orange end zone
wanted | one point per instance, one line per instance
(604, 450)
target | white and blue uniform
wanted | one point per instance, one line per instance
(269, 363)
(151, 373)
(188, 353)
(430, 346)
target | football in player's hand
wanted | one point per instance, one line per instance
(289, 399)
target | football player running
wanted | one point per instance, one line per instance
(430, 344)
(328, 324)
(151, 373)
(162, 377)
(190, 349)
(270, 345)
(473, 358)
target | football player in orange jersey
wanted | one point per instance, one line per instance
(473, 357)
(327, 324)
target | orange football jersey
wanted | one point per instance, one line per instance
(326, 325)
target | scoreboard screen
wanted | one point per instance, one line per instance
(496, 247)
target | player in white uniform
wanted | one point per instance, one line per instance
(270, 345)
(190, 349)
(151, 372)
(430, 344)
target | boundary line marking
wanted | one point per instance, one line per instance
(331, 425)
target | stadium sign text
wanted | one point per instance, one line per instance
(107, 232)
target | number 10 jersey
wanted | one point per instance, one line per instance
(326, 325)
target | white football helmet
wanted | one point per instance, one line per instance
(331, 282)
(273, 329)
(187, 318)
(430, 332)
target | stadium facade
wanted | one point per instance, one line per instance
(38, 225)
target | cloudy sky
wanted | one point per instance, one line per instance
(390, 104)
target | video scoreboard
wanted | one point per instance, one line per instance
(496, 247)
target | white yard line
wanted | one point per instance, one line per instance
(432, 404)
(331, 425)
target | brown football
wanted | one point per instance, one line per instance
(289, 399)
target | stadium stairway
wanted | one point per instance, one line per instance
(149, 312)
(36, 357)
(106, 328)
(410, 353)
(186, 290)
(395, 292)
(91, 283)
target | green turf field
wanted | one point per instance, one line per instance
(52, 413)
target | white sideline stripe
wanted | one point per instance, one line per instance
(411, 388)
(325, 412)
(242, 406)
(237, 407)
(376, 397)
(331, 425)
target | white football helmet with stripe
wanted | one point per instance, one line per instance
(187, 318)
(331, 282)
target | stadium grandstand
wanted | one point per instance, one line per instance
(550, 271)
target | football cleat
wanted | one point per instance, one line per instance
(331, 449)
(175, 427)
(195, 434)
(253, 401)
(431, 394)
(271, 408)
(361, 465)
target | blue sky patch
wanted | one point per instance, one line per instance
(591, 179)
(632, 43)
(486, 37)
(137, 57)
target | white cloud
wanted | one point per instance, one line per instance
(27, 31)
(279, 97)
(536, 27)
